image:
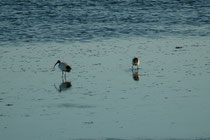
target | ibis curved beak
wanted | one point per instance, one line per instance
(55, 65)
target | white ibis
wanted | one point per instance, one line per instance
(64, 67)
(136, 62)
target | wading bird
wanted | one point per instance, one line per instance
(64, 67)
(135, 62)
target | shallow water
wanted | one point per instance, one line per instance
(170, 100)
(102, 98)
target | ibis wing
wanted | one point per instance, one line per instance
(65, 63)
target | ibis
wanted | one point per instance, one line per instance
(64, 67)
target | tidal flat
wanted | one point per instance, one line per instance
(102, 98)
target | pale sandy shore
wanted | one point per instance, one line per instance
(106, 100)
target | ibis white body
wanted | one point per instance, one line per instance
(63, 66)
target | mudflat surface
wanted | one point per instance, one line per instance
(101, 98)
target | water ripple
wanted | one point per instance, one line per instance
(41, 21)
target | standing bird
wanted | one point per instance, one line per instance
(136, 62)
(64, 67)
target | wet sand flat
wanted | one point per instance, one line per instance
(168, 97)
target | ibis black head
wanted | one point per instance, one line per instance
(57, 63)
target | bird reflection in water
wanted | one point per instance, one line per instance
(65, 85)
(136, 74)
(64, 67)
